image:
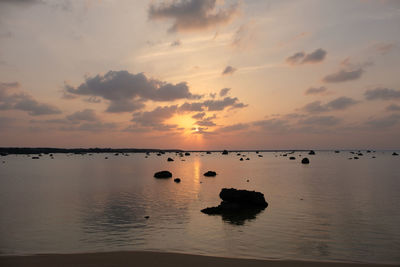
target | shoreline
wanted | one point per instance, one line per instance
(157, 259)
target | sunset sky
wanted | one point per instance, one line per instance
(200, 74)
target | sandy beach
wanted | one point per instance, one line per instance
(150, 259)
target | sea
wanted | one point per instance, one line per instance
(336, 208)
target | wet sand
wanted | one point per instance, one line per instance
(156, 259)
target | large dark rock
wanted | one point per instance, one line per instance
(305, 161)
(238, 205)
(210, 174)
(163, 175)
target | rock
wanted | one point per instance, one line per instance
(35, 157)
(248, 159)
(177, 180)
(238, 205)
(187, 154)
(305, 161)
(292, 158)
(170, 159)
(225, 152)
(146, 217)
(260, 156)
(394, 154)
(312, 152)
(241, 159)
(210, 174)
(355, 157)
(373, 157)
(337, 151)
(208, 152)
(106, 158)
(163, 175)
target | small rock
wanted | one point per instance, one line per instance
(312, 152)
(210, 174)
(394, 154)
(355, 157)
(248, 159)
(292, 158)
(241, 159)
(177, 180)
(260, 156)
(225, 152)
(305, 161)
(187, 154)
(163, 175)
(146, 217)
(170, 159)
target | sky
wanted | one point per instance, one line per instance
(200, 74)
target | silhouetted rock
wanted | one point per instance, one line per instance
(292, 158)
(187, 154)
(3, 154)
(177, 180)
(360, 154)
(35, 157)
(238, 205)
(225, 152)
(355, 157)
(312, 152)
(170, 159)
(163, 175)
(248, 159)
(208, 152)
(305, 161)
(210, 174)
(260, 156)
(241, 159)
(337, 151)
(394, 154)
(146, 217)
(106, 158)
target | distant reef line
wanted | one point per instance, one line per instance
(54, 150)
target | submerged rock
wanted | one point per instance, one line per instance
(305, 161)
(177, 180)
(241, 159)
(238, 205)
(394, 154)
(210, 174)
(292, 158)
(225, 152)
(187, 154)
(163, 175)
(260, 156)
(170, 159)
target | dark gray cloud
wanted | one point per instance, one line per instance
(234, 127)
(316, 90)
(13, 98)
(273, 125)
(199, 115)
(212, 105)
(382, 94)
(84, 115)
(6, 122)
(127, 92)
(156, 117)
(224, 91)
(384, 48)
(93, 99)
(302, 58)
(91, 127)
(343, 76)
(339, 103)
(393, 107)
(207, 122)
(229, 70)
(384, 122)
(189, 15)
(320, 120)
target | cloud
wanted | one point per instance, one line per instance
(155, 119)
(384, 122)
(384, 48)
(382, 94)
(302, 58)
(84, 115)
(244, 35)
(393, 107)
(207, 122)
(13, 98)
(316, 90)
(91, 127)
(6, 122)
(127, 92)
(192, 15)
(212, 105)
(339, 103)
(234, 127)
(199, 115)
(320, 120)
(176, 43)
(273, 125)
(229, 70)
(343, 76)
(224, 91)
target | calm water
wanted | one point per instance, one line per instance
(332, 209)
